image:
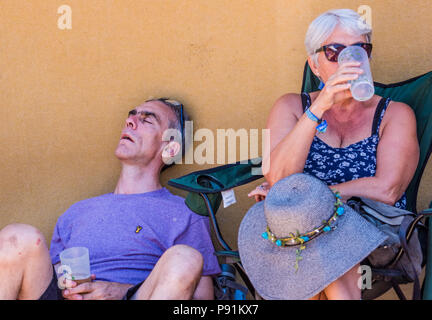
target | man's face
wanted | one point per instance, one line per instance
(141, 139)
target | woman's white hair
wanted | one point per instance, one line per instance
(323, 26)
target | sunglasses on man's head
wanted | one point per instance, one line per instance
(175, 104)
(333, 50)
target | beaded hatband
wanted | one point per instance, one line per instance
(297, 239)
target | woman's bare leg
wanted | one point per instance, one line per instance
(346, 287)
(319, 296)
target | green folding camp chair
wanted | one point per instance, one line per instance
(205, 186)
(204, 198)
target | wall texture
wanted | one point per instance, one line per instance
(65, 93)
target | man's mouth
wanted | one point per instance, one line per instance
(126, 137)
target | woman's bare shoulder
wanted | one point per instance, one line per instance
(399, 111)
(399, 116)
(288, 105)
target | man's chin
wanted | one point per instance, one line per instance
(121, 154)
(128, 157)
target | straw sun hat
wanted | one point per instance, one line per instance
(301, 238)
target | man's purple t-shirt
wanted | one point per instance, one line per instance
(127, 234)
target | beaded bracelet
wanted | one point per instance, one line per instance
(322, 124)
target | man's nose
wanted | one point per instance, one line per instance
(131, 122)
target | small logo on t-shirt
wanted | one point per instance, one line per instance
(138, 229)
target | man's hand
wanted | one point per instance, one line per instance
(96, 290)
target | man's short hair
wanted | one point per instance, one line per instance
(179, 123)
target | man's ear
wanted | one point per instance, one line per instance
(170, 152)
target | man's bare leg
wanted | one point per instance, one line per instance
(25, 264)
(175, 276)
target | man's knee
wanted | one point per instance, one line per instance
(185, 262)
(18, 240)
(186, 255)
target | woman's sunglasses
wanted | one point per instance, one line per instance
(333, 50)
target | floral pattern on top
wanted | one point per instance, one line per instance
(338, 165)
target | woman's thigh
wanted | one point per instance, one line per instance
(345, 287)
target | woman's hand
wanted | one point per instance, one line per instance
(336, 88)
(260, 192)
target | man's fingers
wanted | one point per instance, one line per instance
(82, 288)
(91, 296)
(67, 283)
(72, 296)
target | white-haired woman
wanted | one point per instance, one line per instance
(369, 148)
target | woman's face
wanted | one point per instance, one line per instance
(327, 68)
